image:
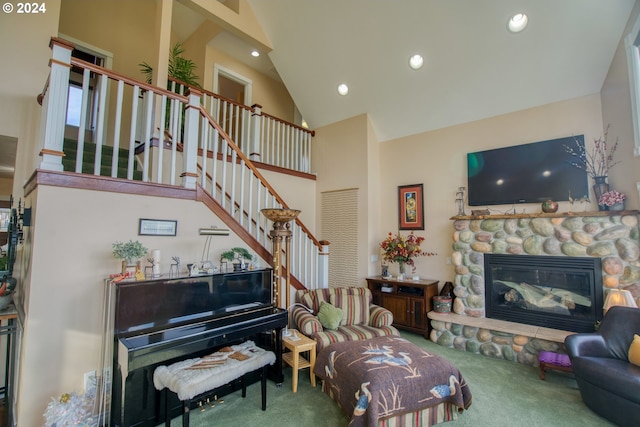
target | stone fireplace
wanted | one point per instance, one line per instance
(611, 238)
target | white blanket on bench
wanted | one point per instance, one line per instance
(191, 377)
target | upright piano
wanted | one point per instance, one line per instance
(163, 320)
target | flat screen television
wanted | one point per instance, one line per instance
(527, 173)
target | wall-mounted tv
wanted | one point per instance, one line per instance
(527, 173)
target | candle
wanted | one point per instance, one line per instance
(155, 254)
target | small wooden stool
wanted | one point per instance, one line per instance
(551, 360)
(298, 343)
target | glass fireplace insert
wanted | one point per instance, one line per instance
(557, 292)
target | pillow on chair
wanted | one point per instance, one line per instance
(329, 316)
(634, 350)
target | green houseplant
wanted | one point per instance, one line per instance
(129, 251)
(180, 68)
(236, 254)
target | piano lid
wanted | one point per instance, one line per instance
(153, 305)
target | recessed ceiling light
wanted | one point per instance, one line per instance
(415, 62)
(343, 89)
(255, 53)
(518, 22)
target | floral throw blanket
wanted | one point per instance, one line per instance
(388, 376)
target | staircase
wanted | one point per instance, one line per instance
(206, 159)
(87, 165)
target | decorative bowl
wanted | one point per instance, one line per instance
(280, 215)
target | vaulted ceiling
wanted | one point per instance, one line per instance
(474, 68)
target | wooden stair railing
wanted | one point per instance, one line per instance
(236, 185)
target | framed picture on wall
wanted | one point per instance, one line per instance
(410, 207)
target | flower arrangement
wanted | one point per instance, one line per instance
(599, 160)
(402, 249)
(611, 198)
(130, 250)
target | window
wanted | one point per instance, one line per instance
(74, 102)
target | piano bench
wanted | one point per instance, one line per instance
(194, 379)
(186, 404)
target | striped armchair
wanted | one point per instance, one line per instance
(361, 319)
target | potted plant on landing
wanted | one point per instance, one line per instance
(236, 254)
(130, 253)
(180, 68)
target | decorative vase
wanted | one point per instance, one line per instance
(401, 270)
(130, 265)
(600, 187)
(385, 270)
(617, 207)
(549, 206)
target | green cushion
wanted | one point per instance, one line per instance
(329, 316)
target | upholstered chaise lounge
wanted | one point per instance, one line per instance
(609, 383)
(358, 318)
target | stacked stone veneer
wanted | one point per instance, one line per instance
(612, 237)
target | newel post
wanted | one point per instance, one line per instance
(190, 153)
(54, 106)
(323, 265)
(256, 133)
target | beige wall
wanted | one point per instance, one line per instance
(438, 160)
(115, 26)
(340, 158)
(616, 112)
(298, 193)
(270, 94)
(24, 73)
(346, 155)
(6, 188)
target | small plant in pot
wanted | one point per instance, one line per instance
(238, 256)
(129, 252)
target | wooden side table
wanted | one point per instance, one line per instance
(298, 344)
(409, 301)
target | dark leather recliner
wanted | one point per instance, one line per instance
(609, 384)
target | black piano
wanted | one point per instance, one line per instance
(164, 320)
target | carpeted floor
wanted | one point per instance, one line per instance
(504, 394)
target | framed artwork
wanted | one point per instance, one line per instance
(410, 207)
(157, 227)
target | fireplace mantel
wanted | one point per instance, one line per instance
(548, 215)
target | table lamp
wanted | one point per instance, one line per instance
(619, 297)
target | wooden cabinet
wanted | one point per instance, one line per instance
(408, 300)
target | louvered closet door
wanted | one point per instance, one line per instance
(340, 227)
